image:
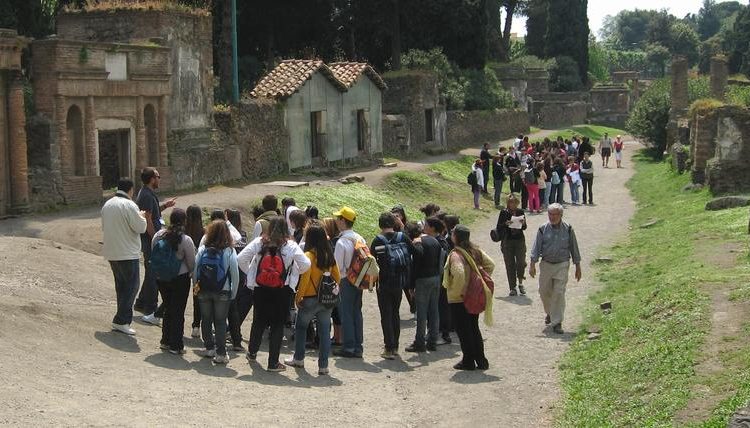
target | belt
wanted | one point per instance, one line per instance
(555, 263)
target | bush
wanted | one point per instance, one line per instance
(564, 76)
(450, 84)
(649, 118)
(484, 92)
(531, 61)
(739, 95)
(704, 105)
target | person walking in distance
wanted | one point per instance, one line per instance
(605, 149)
(476, 180)
(587, 178)
(122, 224)
(457, 275)
(498, 175)
(555, 245)
(618, 146)
(393, 251)
(486, 158)
(148, 297)
(510, 226)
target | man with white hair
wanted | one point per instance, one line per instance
(555, 245)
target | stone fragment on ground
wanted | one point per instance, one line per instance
(692, 187)
(352, 179)
(291, 184)
(741, 418)
(390, 165)
(726, 202)
(649, 223)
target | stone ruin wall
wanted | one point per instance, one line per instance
(727, 172)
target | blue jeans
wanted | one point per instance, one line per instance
(148, 297)
(350, 311)
(126, 285)
(310, 308)
(214, 311)
(547, 190)
(574, 192)
(427, 295)
(498, 185)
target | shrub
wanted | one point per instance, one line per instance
(450, 84)
(704, 105)
(649, 118)
(531, 61)
(739, 95)
(564, 76)
(484, 92)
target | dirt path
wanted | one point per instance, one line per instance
(62, 365)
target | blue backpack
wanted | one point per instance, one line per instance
(212, 274)
(164, 262)
(398, 260)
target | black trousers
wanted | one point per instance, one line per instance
(389, 301)
(410, 300)
(174, 295)
(238, 310)
(588, 186)
(472, 344)
(514, 255)
(444, 311)
(271, 309)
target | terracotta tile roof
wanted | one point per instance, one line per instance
(349, 72)
(290, 75)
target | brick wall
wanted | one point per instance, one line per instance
(199, 157)
(395, 134)
(471, 128)
(259, 132)
(82, 190)
(702, 143)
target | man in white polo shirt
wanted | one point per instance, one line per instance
(122, 225)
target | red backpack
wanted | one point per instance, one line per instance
(271, 269)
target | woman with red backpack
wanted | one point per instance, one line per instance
(465, 261)
(273, 263)
(216, 280)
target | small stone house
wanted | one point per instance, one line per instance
(332, 113)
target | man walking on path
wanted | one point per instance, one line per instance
(147, 201)
(486, 158)
(122, 224)
(605, 149)
(555, 245)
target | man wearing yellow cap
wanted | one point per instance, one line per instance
(350, 307)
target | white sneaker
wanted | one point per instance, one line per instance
(196, 333)
(221, 359)
(209, 353)
(123, 328)
(291, 362)
(151, 319)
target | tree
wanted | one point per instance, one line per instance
(684, 41)
(738, 43)
(657, 56)
(658, 28)
(627, 29)
(536, 27)
(568, 40)
(708, 20)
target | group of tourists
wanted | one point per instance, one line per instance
(309, 273)
(538, 172)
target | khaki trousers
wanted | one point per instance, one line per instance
(553, 277)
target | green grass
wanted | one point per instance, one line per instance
(640, 372)
(444, 184)
(533, 130)
(594, 132)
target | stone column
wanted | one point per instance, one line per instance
(162, 125)
(19, 165)
(4, 203)
(141, 154)
(89, 130)
(679, 86)
(66, 151)
(719, 76)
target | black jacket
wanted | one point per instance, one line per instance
(505, 231)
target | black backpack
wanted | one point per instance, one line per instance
(471, 179)
(328, 291)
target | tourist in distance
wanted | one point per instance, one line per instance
(148, 297)
(486, 158)
(618, 146)
(427, 258)
(555, 245)
(511, 222)
(574, 179)
(587, 178)
(175, 291)
(273, 263)
(605, 149)
(455, 280)
(195, 230)
(542, 184)
(476, 180)
(322, 266)
(270, 208)
(530, 180)
(216, 281)
(498, 175)
(122, 225)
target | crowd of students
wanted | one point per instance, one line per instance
(539, 171)
(293, 269)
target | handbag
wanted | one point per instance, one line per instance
(479, 291)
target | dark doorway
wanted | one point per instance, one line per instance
(429, 124)
(114, 156)
(317, 136)
(361, 131)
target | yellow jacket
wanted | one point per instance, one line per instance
(308, 281)
(456, 277)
